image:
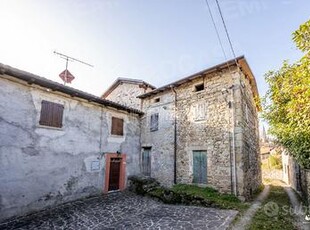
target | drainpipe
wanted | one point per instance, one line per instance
(234, 161)
(175, 135)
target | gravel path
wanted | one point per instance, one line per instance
(298, 209)
(123, 211)
(248, 215)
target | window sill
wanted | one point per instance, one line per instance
(117, 136)
(198, 92)
(153, 130)
(50, 127)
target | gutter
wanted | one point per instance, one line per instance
(175, 135)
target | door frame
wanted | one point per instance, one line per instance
(122, 178)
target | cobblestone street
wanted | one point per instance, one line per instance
(123, 211)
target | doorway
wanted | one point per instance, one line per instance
(146, 161)
(199, 167)
(115, 172)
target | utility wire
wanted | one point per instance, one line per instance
(226, 31)
(216, 30)
(219, 37)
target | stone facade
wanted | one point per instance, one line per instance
(206, 121)
(42, 166)
(125, 92)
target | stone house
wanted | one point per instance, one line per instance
(203, 129)
(129, 89)
(59, 144)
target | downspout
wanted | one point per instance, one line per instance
(234, 141)
(175, 135)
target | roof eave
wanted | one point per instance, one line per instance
(54, 86)
(192, 77)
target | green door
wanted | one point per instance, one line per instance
(200, 167)
(146, 161)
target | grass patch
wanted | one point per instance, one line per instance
(224, 201)
(274, 212)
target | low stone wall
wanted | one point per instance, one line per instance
(272, 174)
(150, 187)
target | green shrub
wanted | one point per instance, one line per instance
(275, 162)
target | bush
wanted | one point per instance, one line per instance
(275, 161)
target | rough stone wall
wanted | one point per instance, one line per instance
(126, 94)
(210, 132)
(247, 137)
(42, 166)
(296, 176)
(204, 122)
(162, 140)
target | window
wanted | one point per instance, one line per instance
(199, 87)
(117, 126)
(51, 114)
(200, 111)
(146, 161)
(154, 122)
(246, 113)
(156, 100)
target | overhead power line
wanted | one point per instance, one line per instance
(226, 31)
(216, 30)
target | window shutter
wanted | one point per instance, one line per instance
(57, 115)
(117, 126)
(45, 113)
(154, 122)
(51, 114)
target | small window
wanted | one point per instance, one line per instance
(154, 122)
(51, 114)
(246, 113)
(117, 126)
(199, 87)
(200, 111)
(156, 100)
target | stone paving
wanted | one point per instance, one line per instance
(123, 211)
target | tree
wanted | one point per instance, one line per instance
(287, 102)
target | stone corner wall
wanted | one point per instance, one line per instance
(247, 138)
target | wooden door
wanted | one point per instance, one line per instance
(146, 161)
(115, 169)
(200, 167)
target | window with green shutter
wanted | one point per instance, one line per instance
(51, 114)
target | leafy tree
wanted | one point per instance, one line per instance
(287, 102)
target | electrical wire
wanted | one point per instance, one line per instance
(226, 31)
(216, 30)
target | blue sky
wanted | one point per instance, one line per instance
(158, 41)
